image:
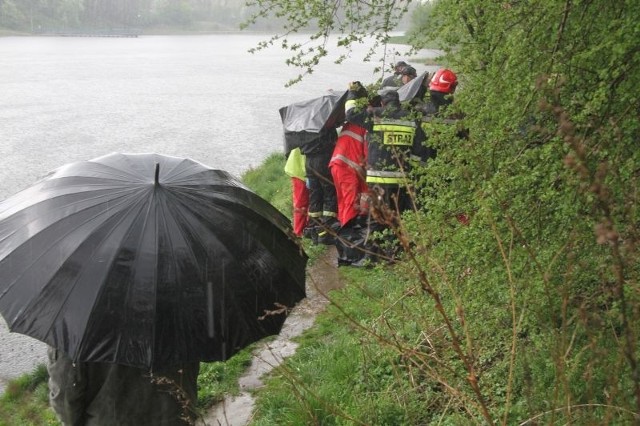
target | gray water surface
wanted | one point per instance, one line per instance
(65, 99)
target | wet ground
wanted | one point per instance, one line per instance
(321, 278)
(19, 354)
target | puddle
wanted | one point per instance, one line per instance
(321, 278)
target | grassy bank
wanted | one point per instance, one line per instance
(429, 340)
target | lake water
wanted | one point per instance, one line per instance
(65, 99)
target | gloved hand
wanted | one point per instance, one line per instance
(356, 91)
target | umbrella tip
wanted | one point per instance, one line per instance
(157, 174)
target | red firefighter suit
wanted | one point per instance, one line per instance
(348, 160)
(294, 168)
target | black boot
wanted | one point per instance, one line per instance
(328, 231)
(325, 237)
(311, 232)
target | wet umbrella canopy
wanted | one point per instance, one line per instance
(303, 121)
(145, 260)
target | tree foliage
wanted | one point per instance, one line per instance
(42, 15)
(530, 313)
(550, 174)
(352, 21)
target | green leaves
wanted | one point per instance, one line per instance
(351, 21)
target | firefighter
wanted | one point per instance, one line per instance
(407, 74)
(294, 168)
(323, 206)
(441, 89)
(442, 86)
(348, 160)
(393, 142)
(395, 139)
(395, 79)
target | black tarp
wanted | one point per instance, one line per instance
(409, 91)
(303, 121)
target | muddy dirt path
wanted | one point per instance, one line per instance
(321, 278)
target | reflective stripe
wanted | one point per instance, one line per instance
(351, 103)
(394, 122)
(385, 174)
(357, 167)
(396, 133)
(354, 135)
(380, 176)
(315, 214)
(386, 180)
(329, 214)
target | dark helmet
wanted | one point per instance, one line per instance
(410, 71)
(399, 66)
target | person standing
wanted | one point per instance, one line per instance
(442, 86)
(395, 79)
(323, 205)
(102, 394)
(348, 161)
(395, 140)
(294, 168)
(407, 74)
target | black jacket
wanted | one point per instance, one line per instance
(388, 159)
(322, 145)
(101, 394)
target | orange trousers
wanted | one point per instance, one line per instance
(349, 186)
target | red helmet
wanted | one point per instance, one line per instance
(443, 80)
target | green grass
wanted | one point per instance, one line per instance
(217, 379)
(25, 401)
(271, 183)
(341, 374)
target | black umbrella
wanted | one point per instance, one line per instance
(409, 91)
(304, 121)
(145, 260)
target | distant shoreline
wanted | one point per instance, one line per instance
(153, 31)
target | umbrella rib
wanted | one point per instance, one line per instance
(182, 171)
(117, 174)
(72, 204)
(180, 219)
(10, 286)
(70, 288)
(155, 269)
(136, 206)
